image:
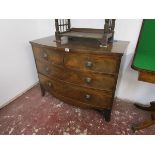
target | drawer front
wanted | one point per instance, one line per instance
(87, 79)
(87, 96)
(53, 56)
(105, 64)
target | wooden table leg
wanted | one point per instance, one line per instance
(145, 123)
(151, 107)
(106, 114)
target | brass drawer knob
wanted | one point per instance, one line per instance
(89, 64)
(45, 55)
(88, 80)
(47, 69)
(67, 49)
(87, 96)
(49, 84)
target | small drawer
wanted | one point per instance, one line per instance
(86, 79)
(88, 96)
(104, 64)
(50, 55)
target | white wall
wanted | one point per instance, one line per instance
(88, 23)
(17, 68)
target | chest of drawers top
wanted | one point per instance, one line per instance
(83, 46)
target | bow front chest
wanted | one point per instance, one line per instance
(79, 72)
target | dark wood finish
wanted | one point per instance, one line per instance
(107, 114)
(94, 98)
(88, 30)
(151, 107)
(63, 28)
(83, 34)
(42, 90)
(103, 64)
(144, 124)
(66, 72)
(86, 79)
(53, 57)
(146, 76)
(82, 46)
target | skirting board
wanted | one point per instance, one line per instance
(14, 98)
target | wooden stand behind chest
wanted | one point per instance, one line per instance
(79, 72)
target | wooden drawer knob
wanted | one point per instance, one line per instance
(45, 55)
(67, 49)
(49, 84)
(89, 64)
(88, 80)
(47, 69)
(88, 96)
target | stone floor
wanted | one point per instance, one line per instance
(32, 114)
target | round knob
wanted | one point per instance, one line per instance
(45, 55)
(67, 49)
(87, 96)
(89, 64)
(47, 69)
(88, 79)
(49, 84)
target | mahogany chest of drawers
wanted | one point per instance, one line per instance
(79, 72)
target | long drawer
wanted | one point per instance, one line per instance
(91, 97)
(86, 79)
(84, 62)
(50, 55)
